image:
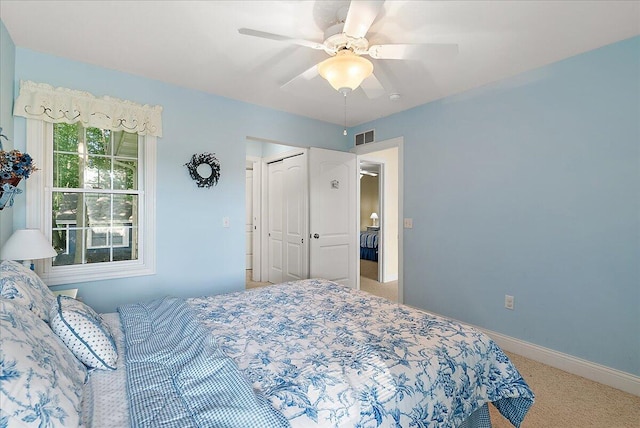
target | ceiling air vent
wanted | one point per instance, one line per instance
(364, 138)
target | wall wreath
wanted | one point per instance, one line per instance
(204, 168)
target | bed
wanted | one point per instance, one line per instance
(310, 353)
(369, 245)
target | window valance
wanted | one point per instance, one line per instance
(61, 105)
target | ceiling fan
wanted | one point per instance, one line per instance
(346, 69)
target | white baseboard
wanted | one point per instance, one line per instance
(614, 378)
(390, 278)
(606, 375)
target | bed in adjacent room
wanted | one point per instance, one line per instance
(369, 245)
(300, 354)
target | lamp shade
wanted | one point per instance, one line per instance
(374, 216)
(27, 244)
(345, 71)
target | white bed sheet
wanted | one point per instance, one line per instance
(105, 394)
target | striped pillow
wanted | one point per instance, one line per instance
(82, 330)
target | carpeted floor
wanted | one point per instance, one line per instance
(252, 284)
(369, 269)
(564, 400)
(369, 283)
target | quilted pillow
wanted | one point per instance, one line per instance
(41, 381)
(21, 284)
(84, 333)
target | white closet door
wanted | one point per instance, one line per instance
(295, 257)
(275, 178)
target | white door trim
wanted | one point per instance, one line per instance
(398, 143)
(256, 267)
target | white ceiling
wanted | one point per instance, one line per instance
(196, 44)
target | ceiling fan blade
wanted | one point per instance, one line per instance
(280, 38)
(360, 17)
(308, 74)
(412, 51)
(372, 87)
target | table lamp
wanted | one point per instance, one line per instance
(374, 217)
(27, 245)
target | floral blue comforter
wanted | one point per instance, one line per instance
(326, 355)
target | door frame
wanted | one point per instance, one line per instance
(369, 148)
(381, 210)
(256, 267)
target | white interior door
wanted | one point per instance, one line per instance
(295, 257)
(333, 217)
(275, 185)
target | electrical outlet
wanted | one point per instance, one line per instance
(408, 223)
(508, 301)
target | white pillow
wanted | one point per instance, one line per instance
(41, 379)
(82, 330)
(21, 284)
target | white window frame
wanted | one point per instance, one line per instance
(38, 216)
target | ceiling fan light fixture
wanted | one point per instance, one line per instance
(345, 71)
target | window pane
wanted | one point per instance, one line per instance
(66, 207)
(125, 144)
(98, 141)
(125, 175)
(65, 137)
(66, 170)
(124, 234)
(98, 207)
(123, 248)
(98, 173)
(68, 242)
(125, 210)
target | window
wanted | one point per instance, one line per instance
(98, 187)
(94, 195)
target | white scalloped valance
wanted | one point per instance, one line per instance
(61, 105)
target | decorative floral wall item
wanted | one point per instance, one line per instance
(14, 166)
(204, 168)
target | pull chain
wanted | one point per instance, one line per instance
(344, 132)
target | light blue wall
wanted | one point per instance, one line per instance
(7, 70)
(531, 187)
(526, 187)
(195, 254)
(261, 149)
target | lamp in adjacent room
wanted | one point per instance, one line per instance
(27, 245)
(374, 217)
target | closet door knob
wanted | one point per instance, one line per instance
(315, 235)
